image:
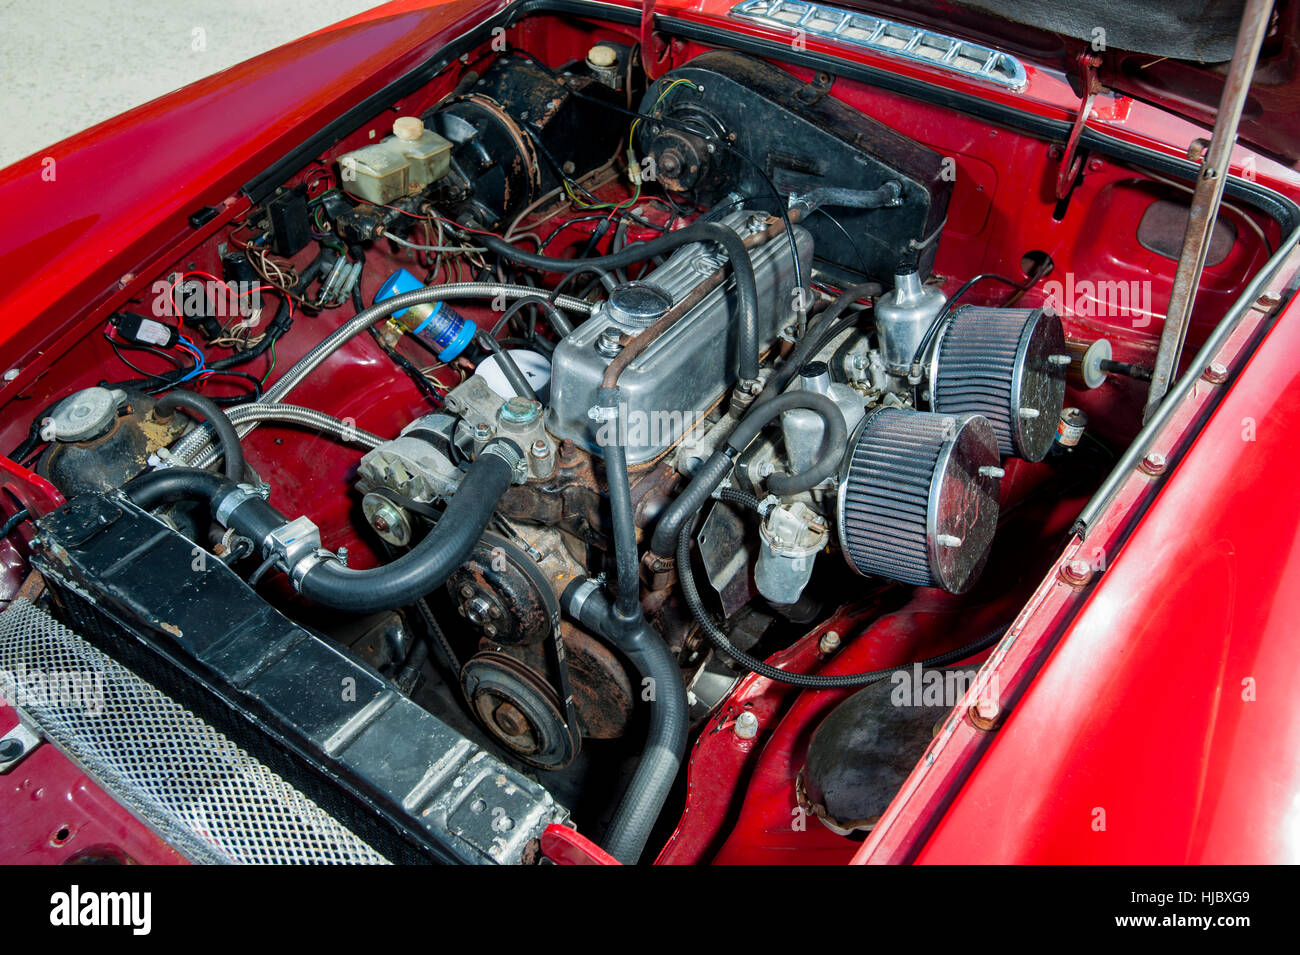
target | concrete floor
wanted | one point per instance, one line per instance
(68, 64)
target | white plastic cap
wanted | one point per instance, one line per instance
(408, 128)
(602, 55)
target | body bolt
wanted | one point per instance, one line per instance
(985, 714)
(1154, 463)
(1216, 373)
(1076, 572)
(829, 643)
(746, 725)
(1268, 299)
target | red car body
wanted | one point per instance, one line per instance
(1148, 713)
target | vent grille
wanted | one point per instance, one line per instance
(888, 37)
(187, 781)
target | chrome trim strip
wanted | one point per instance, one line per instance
(889, 38)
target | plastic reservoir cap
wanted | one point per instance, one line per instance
(602, 55)
(398, 283)
(408, 128)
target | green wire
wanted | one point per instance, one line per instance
(272, 367)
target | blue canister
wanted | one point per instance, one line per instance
(437, 324)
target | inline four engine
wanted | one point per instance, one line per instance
(755, 400)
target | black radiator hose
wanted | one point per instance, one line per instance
(665, 745)
(210, 411)
(427, 565)
(328, 582)
(173, 485)
(623, 624)
(711, 473)
(741, 266)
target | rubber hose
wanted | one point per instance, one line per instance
(626, 561)
(170, 485)
(227, 436)
(741, 266)
(16, 518)
(665, 745)
(710, 475)
(736, 496)
(807, 681)
(814, 340)
(429, 563)
(506, 362)
(834, 438)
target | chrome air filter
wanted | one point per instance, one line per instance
(1003, 363)
(918, 499)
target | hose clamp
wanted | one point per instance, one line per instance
(306, 563)
(579, 594)
(509, 452)
(231, 500)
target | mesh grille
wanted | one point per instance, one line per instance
(977, 368)
(884, 510)
(191, 784)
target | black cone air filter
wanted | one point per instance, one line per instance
(1007, 364)
(918, 501)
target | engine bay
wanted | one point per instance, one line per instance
(559, 405)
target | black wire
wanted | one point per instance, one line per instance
(564, 225)
(14, 520)
(570, 276)
(418, 378)
(165, 379)
(856, 251)
(785, 215)
(935, 326)
(254, 393)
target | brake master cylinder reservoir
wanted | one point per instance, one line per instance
(437, 324)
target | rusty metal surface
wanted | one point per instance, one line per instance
(502, 592)
(602, 689)
(111, 459)
(1206, 199)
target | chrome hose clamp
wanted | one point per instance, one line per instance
(509, 452)
(232, 499)
(309, 561)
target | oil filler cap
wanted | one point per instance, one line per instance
(637, 304)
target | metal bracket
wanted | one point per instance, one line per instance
(292, 542)
(1071, 161)
(815, 89)
(649, 61)
(16, 745)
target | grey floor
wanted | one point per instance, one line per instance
(68, 64)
